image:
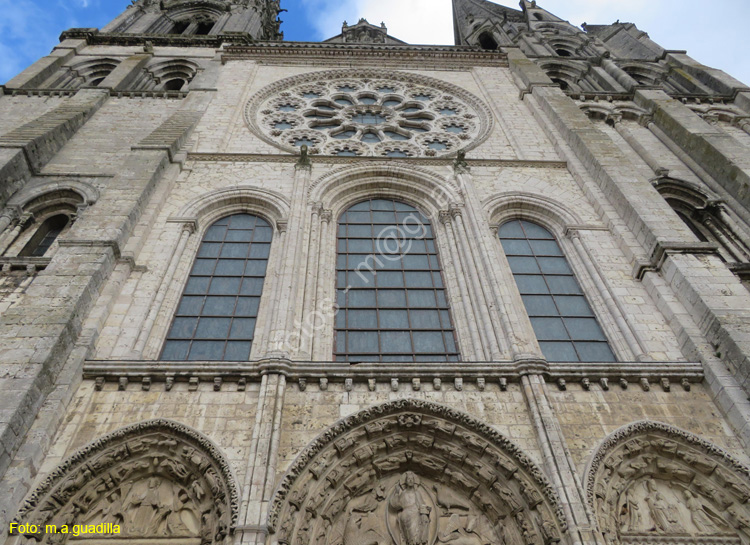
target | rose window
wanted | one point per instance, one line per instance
(383, 114)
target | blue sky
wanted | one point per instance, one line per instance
(714, 33)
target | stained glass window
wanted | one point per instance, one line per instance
(565, 325)
(391, 296)
(215, 320)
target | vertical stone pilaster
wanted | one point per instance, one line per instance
(287, 314)
(559, 464)
(144, 338)
(476, 350)
(465, 249)
(260, 475)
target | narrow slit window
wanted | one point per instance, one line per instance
(564, 324)
(391, 296)
(215, 319)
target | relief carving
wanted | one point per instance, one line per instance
(651, 483)
(436, 483)
(156, 479)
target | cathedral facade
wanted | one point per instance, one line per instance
(210, 333)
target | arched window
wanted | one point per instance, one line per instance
(204, 28)
(391, 296)
(563, 321)
(45, 236)
(215, 320)
(487, 41)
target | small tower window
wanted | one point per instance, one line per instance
(487, 41)
(45, 236)
(174, 84)
(204, 28)
(180, 27)
(563, 52)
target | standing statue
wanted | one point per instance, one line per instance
(698, 514)
(630, 513)
(659, 509)
(412, 511)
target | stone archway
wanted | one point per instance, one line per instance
(653, 483)
(414, 473)
(158, 480)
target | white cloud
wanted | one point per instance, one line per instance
(674, 24)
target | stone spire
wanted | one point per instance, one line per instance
(258, 18)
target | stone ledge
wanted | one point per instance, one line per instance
(497, 372)
(333, 159)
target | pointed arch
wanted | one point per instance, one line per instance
(653, 479)
(197, 492)
(350, 479)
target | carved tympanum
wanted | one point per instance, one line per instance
(414, 473)
(155, 480)
(652, 483)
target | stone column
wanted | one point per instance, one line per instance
(471, 317)
(7, 240)
(511, 325)
(482, 303)
(635, 344)
(326, 268)
(147, 327)
(293, 252)
(260, 474)
(309, 303)
(642, 152)
(559, 464)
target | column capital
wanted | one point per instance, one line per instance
(326, 215)
(282, 226)
(455, 210)
(444, 216)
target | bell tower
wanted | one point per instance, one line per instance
(258, 18)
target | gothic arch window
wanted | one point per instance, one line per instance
(215, 319)
(45, 235)
(563, 321)
(391, 296)
(487, 41)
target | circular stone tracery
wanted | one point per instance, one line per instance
(381, 114)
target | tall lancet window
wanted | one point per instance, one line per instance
(215, 320)
(563, 321)
(391, 296)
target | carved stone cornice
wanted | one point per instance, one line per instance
(410, 56)
(511, 371)
(663, 250)
(332, 159)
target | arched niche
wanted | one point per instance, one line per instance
(414, 472)
(652, 483)
(160, 481)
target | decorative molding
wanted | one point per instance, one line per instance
(426, 372)
(444, 95)
(404, 56)
(407, 161)
(648, 453)
(424, 424)
(100, 466)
